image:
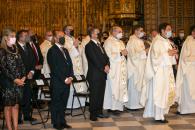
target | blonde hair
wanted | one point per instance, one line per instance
(6, 32)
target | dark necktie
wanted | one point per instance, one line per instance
(25, 49)
(99, 45)
(62, 50)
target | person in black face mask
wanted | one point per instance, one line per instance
(38, 57)
(99, 36)
(62, 41)
(69, 30)
(75, 50)
(105, 35)
(72, 32)
(61, 77)
(69, 37)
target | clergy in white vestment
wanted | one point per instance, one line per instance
(154, 33)
(84, 42)
(116, 84)
(136, 61)
(152, 36)
(158, 92)
(185, 76)
(74, 49)
(45, 46)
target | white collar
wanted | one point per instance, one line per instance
(58, 45)
(114, 38)
(21, 44)
(96, 42)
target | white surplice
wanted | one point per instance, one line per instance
(185, 77)
(158, 92)
(75, 55)
(84, 42)
(136, 61)
(116, 84)
(45, 46)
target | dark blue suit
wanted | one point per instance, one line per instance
(97, 60)
(61, 68)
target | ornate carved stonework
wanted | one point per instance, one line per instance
(180, 13)
(41, 15)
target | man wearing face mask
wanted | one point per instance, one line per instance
(136, 65)
(105, 35)
(61, 78)
(34, 44)
(158, 91)
(179, 40)
(29, 62)
(45, 46)
(74, 49)
(116, 85)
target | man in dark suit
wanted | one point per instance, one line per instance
(61, 77)
(38, 57)
(98, 67)
(34, 44)
(29, 62)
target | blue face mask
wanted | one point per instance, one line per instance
(169, 34)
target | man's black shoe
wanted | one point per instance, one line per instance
(162, 121)
(67, 126)
(30, 119)
(114, 112)
(20, 122)
(93, 118)
(102, 116)
(178, 113)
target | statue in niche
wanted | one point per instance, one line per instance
(117, 4)
(128, 5)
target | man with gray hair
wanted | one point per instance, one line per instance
(116, 86)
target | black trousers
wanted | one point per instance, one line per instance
(58, 105)
(25, 104)
(96, 97)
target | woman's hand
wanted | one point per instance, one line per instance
(19, 82)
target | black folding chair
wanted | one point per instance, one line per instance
(45, 94)
(79, 79)
(43, 85)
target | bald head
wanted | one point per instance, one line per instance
(117, 32)
(49, 36)
(57, 35)
(154, 33)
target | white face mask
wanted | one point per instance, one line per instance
(12, 41)
(50, 38)
(141, 34)
(169, 34)
(181, 35)
(119, 36)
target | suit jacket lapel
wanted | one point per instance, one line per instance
(60, 52)
(98, 48)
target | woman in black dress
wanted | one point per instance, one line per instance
(12, 77)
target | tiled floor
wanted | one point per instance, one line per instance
(128, 120)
